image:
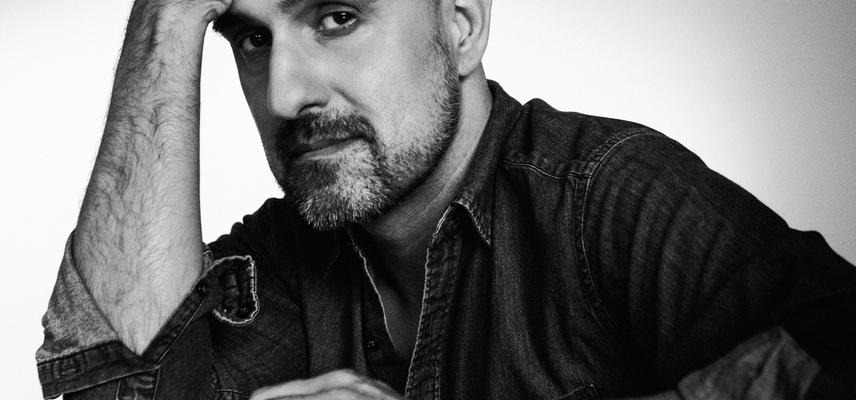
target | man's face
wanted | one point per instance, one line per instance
(356, 101)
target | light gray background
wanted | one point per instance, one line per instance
(763, 91)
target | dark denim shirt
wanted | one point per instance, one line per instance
(583, 258)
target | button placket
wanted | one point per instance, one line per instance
(380, 353)
(423, 376)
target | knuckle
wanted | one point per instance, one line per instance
(365, 387)
(342, 393)
(344, 376)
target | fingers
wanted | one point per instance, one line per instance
(216, 8)
(306, 386)
(342, 384)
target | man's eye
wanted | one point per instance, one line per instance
(254, 42)
(337, 21)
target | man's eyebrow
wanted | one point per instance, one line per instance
(288, 6)
(231, 19)
(228, 21)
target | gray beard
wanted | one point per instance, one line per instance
(330, 196)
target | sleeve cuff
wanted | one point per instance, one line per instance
(81, 350)
(768, 366)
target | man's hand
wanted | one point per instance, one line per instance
(342, 384)
(191, 14)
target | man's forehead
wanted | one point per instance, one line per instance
(289, 6)
(260, 12)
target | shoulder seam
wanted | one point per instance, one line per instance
(533, 168)
(602, 152)
(589, 164)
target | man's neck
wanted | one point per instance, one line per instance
(398, 240)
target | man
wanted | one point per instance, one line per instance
(436, 240)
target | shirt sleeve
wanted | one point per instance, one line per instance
(82, 354)
(689, 265)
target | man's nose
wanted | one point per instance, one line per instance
(295, 83)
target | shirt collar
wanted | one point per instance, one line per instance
(476, 195)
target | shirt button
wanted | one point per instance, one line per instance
(202, 288)
(372, 343)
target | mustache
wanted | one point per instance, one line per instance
(314, 127)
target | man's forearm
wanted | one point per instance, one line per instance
(138, 239)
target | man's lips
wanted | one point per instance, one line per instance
(319, 147)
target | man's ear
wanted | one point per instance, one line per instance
(470, 27)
